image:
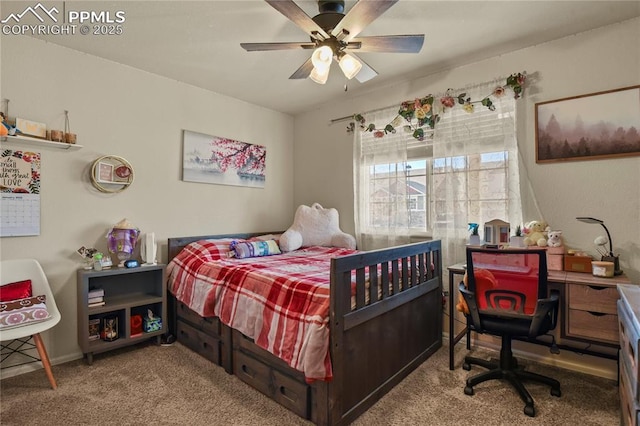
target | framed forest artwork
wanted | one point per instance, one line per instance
(589, 127)
(223, 161)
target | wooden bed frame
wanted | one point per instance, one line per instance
(396, 325)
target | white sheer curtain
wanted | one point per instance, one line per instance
(475, 174)
(380, 185)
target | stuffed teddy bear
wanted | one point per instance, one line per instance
(554, 238)
(484, 281)
(315, 226)
(535, 233)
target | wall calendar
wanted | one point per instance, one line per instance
(20, 191)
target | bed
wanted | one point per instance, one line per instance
(384, 319)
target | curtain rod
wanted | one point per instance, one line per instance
(350, 117)
(471, 86)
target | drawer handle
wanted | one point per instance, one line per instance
(292, 398)
(183, 333)
(597, 314)
(597, 287)
(249, 372)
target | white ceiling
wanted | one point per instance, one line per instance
(198, 42)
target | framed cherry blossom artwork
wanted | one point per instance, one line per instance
(222, 161)
(589, 127)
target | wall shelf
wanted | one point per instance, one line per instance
(39, 142)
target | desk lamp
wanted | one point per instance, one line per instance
(611, 257)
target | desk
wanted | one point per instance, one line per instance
(587, 311)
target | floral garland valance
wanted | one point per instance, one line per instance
(414, 116)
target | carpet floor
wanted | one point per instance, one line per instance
(171, 385)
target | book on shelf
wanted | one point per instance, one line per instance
(94, 305)
(96, 299)
(96, 292)
(94, 328)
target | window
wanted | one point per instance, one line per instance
(480, 185)
(466, 170)
(385, 190)
(481, 190)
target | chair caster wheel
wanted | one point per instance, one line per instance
(529, 410)
(466, 366)
(468, 390)
(556, 392)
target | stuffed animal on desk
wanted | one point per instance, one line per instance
(554, 238)
(535, 233)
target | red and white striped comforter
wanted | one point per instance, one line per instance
(281, 301)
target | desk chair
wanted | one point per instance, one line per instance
(12, 271)
(507, 296)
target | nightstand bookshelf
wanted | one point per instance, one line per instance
(127, 292)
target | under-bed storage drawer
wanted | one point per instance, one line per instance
(279, 387)
(210, 326)
(204, 344)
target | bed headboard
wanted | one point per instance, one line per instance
(176, 244)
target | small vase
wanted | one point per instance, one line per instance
(474, 240)
(516, 241)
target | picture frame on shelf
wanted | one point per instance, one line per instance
(31, 128)
(104, 172)
(589, 127)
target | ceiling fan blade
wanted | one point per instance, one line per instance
(366, 73)
(390, 44)
(256, 47)
(293, 12)
(304, 71)
(360, 15)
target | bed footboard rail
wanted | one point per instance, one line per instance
(386, 319)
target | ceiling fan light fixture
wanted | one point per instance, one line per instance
(322, 58)
(349, 65)
(319, 75)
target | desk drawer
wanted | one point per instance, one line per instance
(629, 346)
(593, 326)
(593, 298)
(629, 409)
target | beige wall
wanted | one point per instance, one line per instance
(119, 110)
(602, 59)
(605, 189)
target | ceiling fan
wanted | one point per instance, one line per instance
(333, 35)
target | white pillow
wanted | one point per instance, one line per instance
(315, 226)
